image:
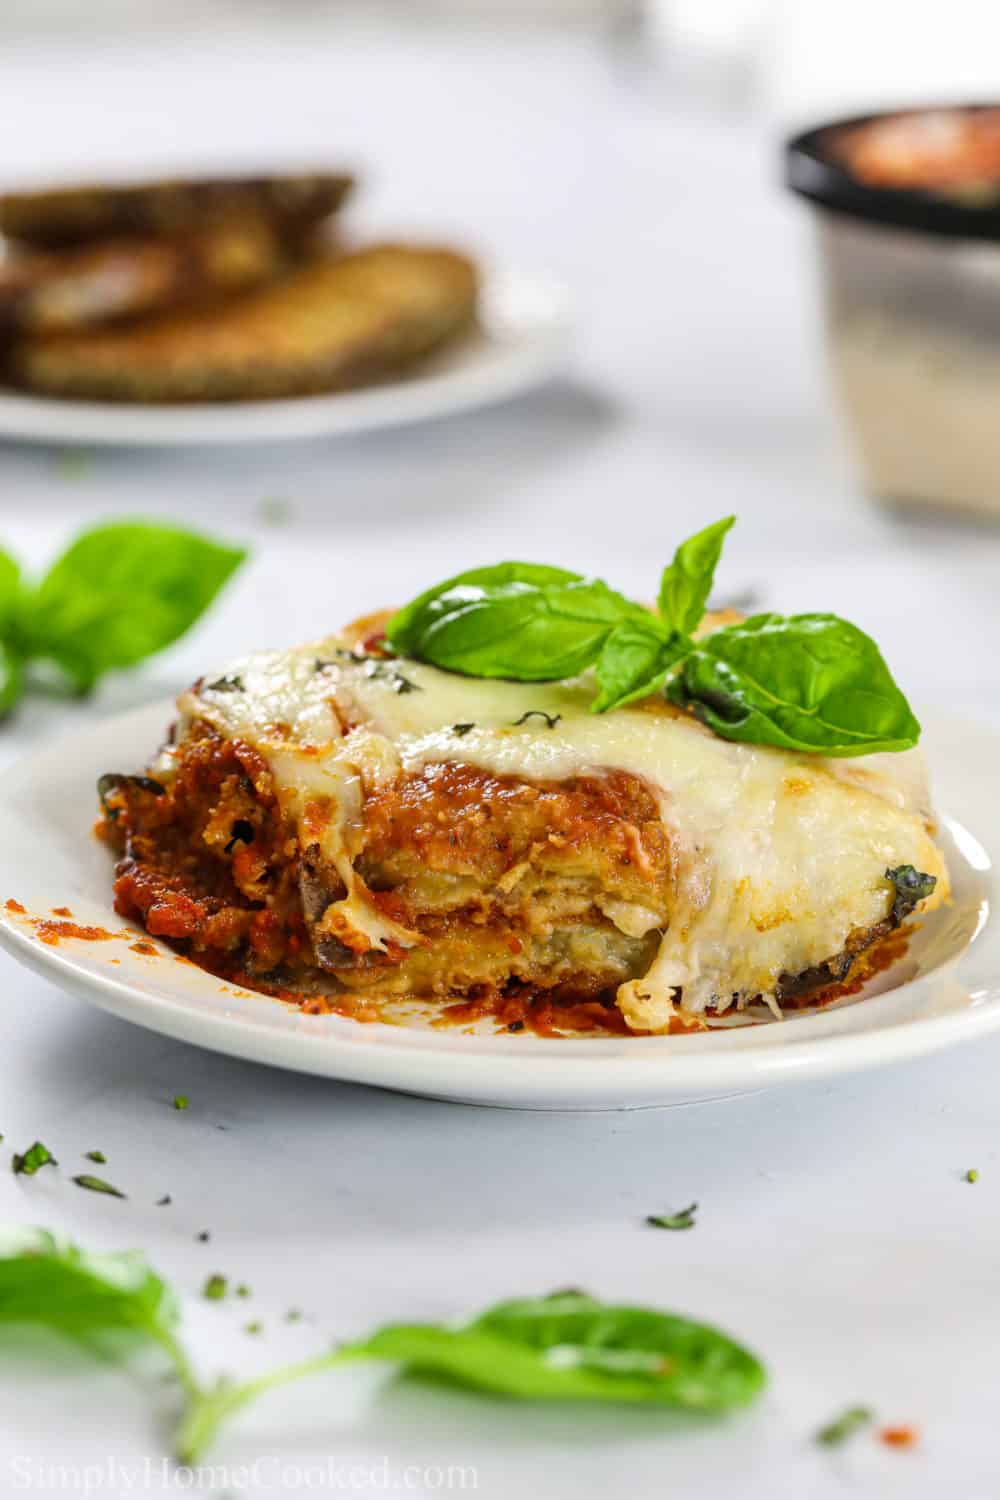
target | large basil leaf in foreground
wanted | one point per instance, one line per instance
(564, 1347)
(803, 682)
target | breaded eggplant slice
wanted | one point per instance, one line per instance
(45, 292)
(76, 215)
(328, 326)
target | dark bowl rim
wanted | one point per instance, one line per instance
(813, 174)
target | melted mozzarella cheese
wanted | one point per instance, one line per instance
(779, 858)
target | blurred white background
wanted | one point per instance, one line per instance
(793, 57)
(633, 151)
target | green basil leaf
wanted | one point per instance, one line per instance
(803, 682)
(11, 658)
(564, 1347)
(121, 592)
(687, 581)
(635, 661)
(572, 1347)
(406, 629)
(48, 1282)
(10, 593)
(11, 677)
(518, 620)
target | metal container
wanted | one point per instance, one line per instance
(912, 299)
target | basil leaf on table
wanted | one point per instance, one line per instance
(635, 661)
(567, 1347)
(573, 1347)
(564, 1347)
(687, 581)
(517, 620)
(119, 593)
(49, 1283)
(802, 682)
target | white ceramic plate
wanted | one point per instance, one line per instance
(523, 339)
(945, 990)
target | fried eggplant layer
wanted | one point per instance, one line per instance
(76, 215)
(42, 292)
(333, 324)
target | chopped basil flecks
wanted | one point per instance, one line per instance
(551, 720)
(215, 1287)
(253, 1327)
(97, 1185)
(203, 1236)
(845, 1426)
(97, 1156)
(972, 1175)
(275, 511)
(27, 1163)
(162, 1202)
(682, 1220)
(386, 671)
(234, 684)
(180, 1101)
(462, 729)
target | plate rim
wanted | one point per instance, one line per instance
(427, 1062)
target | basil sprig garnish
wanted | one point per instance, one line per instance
(808, 682)
(564, 1347)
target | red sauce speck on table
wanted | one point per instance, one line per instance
(899, 1437)
(143, 947)
(61, 911)
(13, 905)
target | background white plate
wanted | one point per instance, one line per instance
(943, 991)
(522, 340)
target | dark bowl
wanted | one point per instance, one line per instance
(814, 173)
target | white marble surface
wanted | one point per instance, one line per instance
(835, 1231)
